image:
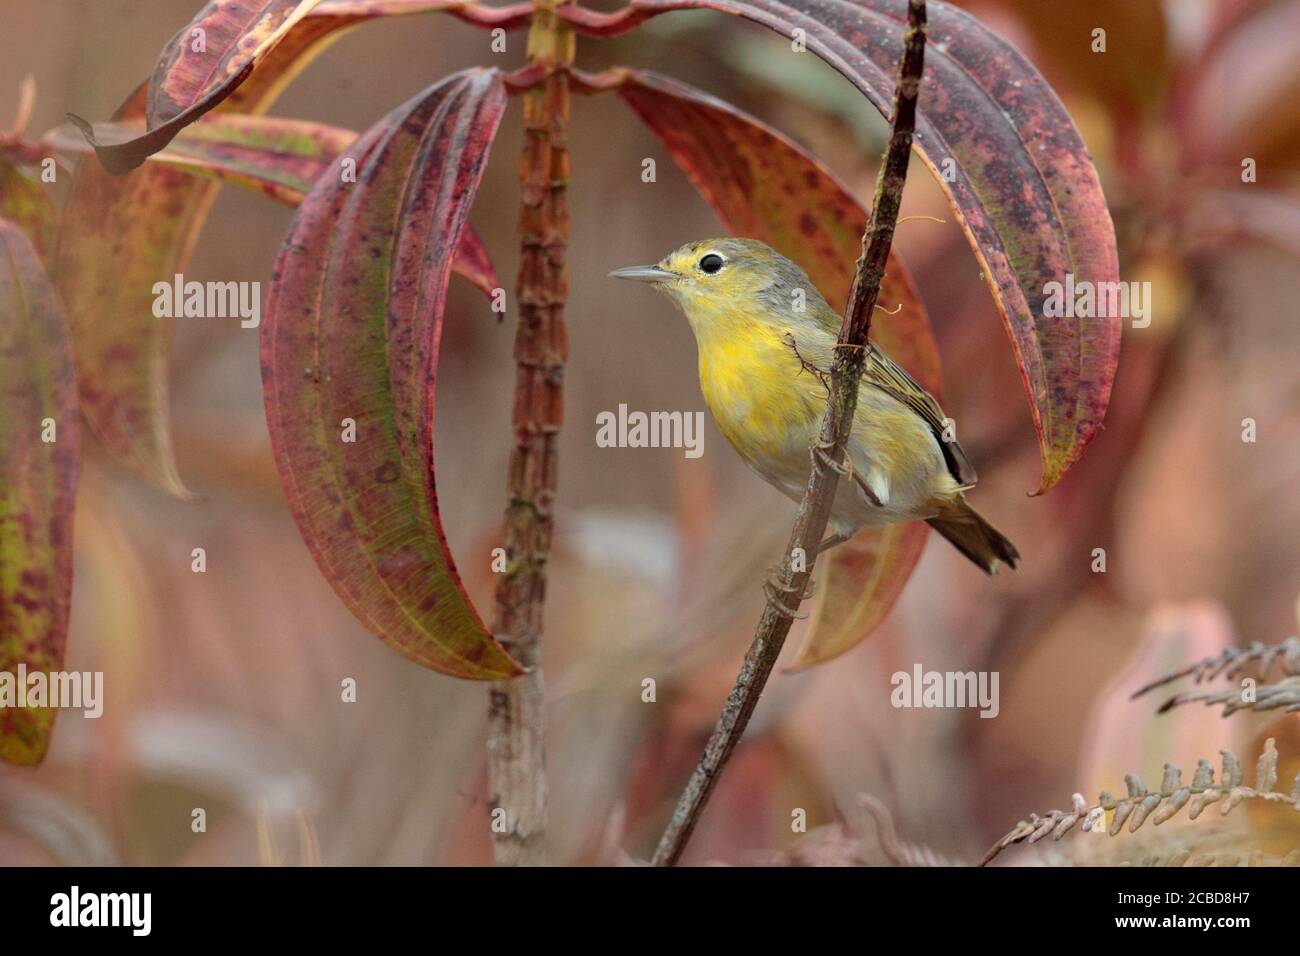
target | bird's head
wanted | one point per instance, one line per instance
(725, 275)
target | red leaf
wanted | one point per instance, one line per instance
(200, 66)
(352, 330)
(38, 479)
(120, 235)
(241, 36)
(236, 33)
(280, 158)
(474, 262)
(1022, 183)
(763, 186)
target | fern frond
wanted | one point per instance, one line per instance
(1160, 805)
(1234, 660)
(1285, 693)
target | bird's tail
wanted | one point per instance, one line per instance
(974, 537)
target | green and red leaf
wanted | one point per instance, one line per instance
(763, 186)
(240, 37)
(26, 203)
(200, 67)
(352, 333)
(122, 234)
(1012, 164)
(38, 478)
(283, 158)
(280, 158)
(118, 237)
(320, 28)
(237, 34)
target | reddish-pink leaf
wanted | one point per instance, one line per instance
(199, 67)
(324, 24)
(763, 186)
(38, 478)
(120, 235)
(243, 36)
(280, 158)
(225, 38)
(474, 262)
(1013, 166)
(351, 340)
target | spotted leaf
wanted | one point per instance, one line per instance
(38, 477)
(351, 338)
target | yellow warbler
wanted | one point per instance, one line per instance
(766, 338)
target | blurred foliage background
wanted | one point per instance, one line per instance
(223, 689)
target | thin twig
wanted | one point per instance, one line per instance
(790, 586)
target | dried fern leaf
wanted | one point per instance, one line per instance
(1233, 661)
(1142, 804)
(1285, 694)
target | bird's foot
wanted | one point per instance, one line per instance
(822, 458)
(779, 591)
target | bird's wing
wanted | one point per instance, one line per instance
(884, 373)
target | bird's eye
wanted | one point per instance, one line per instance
(711, 263)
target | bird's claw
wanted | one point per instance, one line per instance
(777, 592)
(821, 456)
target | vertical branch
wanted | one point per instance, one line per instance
(789, 588)
(516, 714)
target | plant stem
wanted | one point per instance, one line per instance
(788, 589)
(516, 711)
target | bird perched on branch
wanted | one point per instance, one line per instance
(766, 338)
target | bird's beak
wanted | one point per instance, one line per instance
(643, 274)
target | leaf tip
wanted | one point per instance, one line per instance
(801, 662)
(116, 159)
(164, 476)
(28, 749)
(87, 130)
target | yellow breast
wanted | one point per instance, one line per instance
(764, 405)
